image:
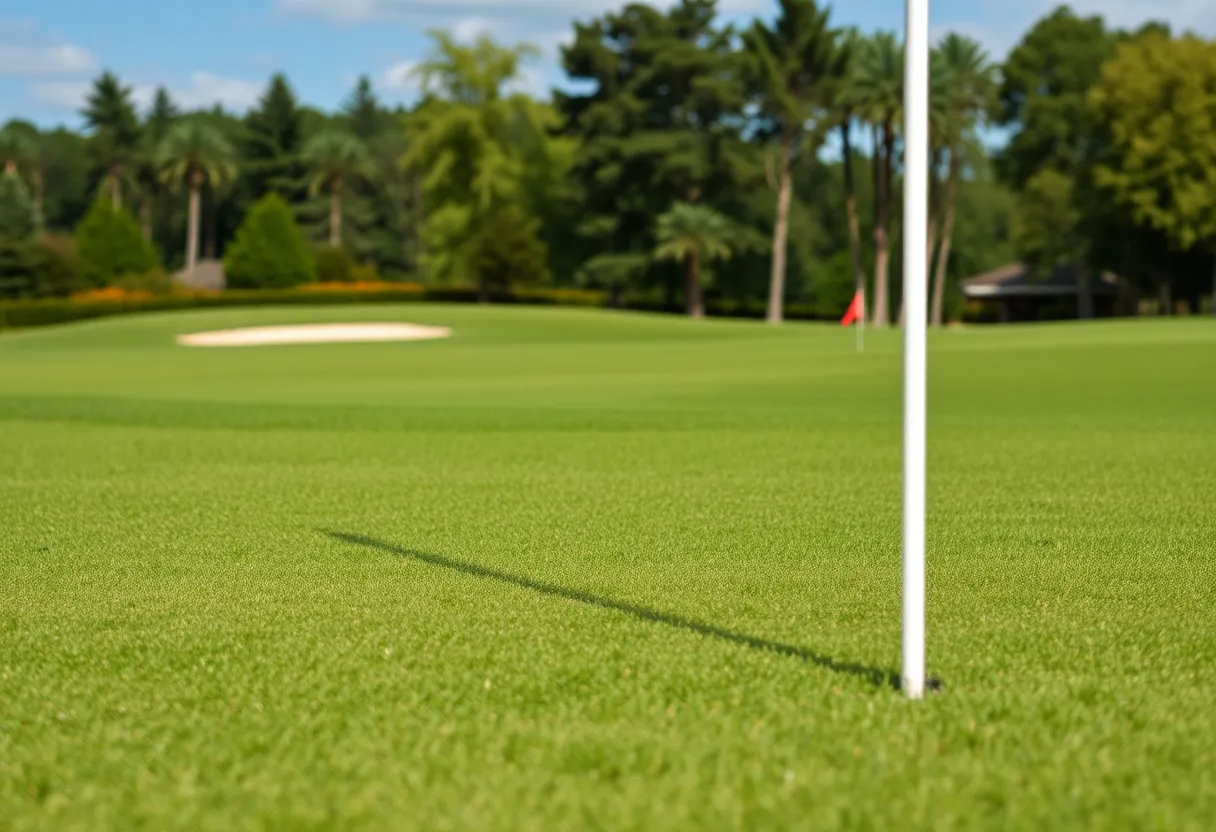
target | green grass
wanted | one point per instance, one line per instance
(583, 570)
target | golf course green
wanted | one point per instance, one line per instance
(580, 569)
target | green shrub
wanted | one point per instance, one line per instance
(38, 268)
(269, 251)
(334, 265)
(110, 245)
(16, 208)
(20, 268)
(64, 272)
(507, 252)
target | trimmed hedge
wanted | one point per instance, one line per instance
(21, 314)
(30, 313)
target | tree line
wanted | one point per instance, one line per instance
(757, 167)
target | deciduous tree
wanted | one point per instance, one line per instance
(467, 143)
(1157, 100)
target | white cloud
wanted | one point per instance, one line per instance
(546, 23)
(400, 82)
(365, 11)
(201, 90)
(468, 29)
(1000, 25)
(204, 89)
(26, 52)
(997, 24)
(533, 82)
(400, 78)
(66, 95)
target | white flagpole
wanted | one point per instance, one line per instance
(916, 227)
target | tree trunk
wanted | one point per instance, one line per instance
(882, 315)
(115, 189)
(1085, 296)
(416, 218)
(39, 202)
(850, 207)
(693, 303)
(1213, 298)
(212, 212)
(943, 257)
(335, 211)
(192, 223)
(1164, 299)
(776, 291)
(145, 216)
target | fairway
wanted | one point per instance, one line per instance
(581, 569)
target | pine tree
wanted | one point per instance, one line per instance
(273, 145)
(363, 111)
(23, 152)
(110, 114)
(17, 221)
(161, 117)
(656, 126)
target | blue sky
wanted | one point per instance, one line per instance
(225, 50)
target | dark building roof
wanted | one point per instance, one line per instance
(1014, 280)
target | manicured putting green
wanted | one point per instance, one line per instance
(574, 569)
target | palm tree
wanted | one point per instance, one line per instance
(336, 157)
(111, 116)
(693, 234)
(845, 112)
(970, 86)
(159, 121)
(877, 96)
(793, 66)
(194, 153)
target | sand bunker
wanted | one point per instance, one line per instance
(313, 334)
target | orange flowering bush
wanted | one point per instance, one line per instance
(360, 286)
(111, 293)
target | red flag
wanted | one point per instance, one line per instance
(855, 311)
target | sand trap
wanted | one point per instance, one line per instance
(313, 334)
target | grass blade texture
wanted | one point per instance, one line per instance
(575, 569)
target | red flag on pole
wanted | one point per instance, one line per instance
(855, 311)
